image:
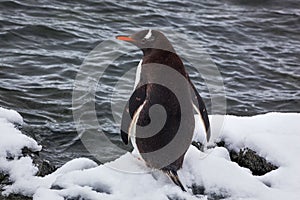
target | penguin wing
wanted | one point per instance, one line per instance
(135, 101)
(200, 110)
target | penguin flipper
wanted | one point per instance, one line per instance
(174, 177)
(200, 109)
(135, 101)
(124, 137)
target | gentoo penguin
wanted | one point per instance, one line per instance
(156, 67)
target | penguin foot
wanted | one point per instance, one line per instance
(174, 177)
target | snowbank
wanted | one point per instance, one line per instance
(275, 136)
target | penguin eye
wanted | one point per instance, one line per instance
(151, 38)
(144, 40)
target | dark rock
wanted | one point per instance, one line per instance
(197, 189)
(221, 144)
(250, 159)
(15, 197)
(103, 189)
(56, 187)
(4, 180)
(75, 198)
(44, 166)
(214, 196)
(174, 197)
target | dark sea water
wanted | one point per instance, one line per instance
(254, 43)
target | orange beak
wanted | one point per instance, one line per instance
(125, 38)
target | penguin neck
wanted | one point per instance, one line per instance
(152, 52)
(159, 56)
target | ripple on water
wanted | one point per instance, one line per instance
(255, 45)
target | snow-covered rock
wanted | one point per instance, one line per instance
(274, 136)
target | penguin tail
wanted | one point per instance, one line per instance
(198, 145)
(174, 177)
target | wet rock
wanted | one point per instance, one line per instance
(250, 159)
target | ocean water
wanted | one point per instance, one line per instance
(254, 44)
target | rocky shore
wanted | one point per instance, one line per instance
(44, 168)
(245, 158)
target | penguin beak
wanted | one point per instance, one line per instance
(125, 38)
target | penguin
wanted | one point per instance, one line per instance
(159, 55)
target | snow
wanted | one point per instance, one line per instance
(199, 134)
(274, 136)
(12, 140)
(10, 116)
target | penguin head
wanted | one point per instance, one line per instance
(148, 41)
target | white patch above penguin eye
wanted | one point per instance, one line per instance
(148, 35)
